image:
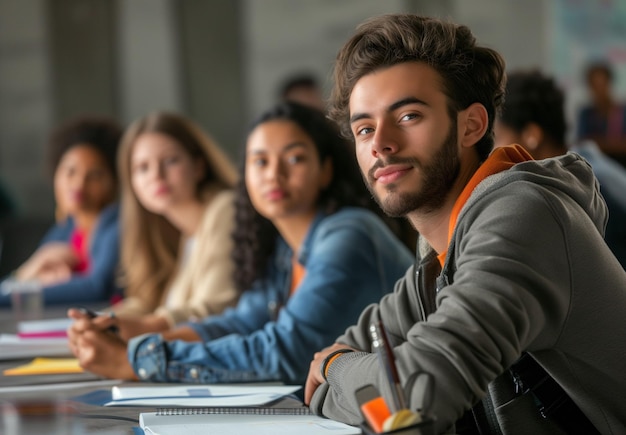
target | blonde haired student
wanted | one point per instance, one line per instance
(176, 222)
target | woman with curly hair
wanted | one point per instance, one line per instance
(309, 258)
(77, 259)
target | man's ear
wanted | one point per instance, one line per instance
(473, 123)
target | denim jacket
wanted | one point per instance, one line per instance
(98, 284)
(351, 260)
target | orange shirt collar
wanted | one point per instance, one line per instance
(499, 160)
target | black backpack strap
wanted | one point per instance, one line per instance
(552, 401)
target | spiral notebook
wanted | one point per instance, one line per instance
(240, 421)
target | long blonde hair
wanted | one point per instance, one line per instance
(150, 243)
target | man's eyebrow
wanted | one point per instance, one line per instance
(406, 102)
(394, 106)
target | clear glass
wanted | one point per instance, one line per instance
(26, 299)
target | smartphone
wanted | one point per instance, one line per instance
(93, 314)
(90, 313)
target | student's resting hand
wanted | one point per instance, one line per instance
(130, 327)
(315, 378)
(52, 258)
(98, 350)
(54, 273)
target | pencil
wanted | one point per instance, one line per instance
(388, 365)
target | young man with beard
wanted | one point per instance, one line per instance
(513, 282)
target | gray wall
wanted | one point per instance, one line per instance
(212, 59)
(218, 61)
(283, 37)
(25, 102)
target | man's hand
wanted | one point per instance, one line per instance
(315, 378)
(99, 351)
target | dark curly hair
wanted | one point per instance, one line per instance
(255, 236)
(101, 133)
(532, 97)
(470, 73)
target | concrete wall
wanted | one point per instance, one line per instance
(25, 103)
(149, 68)
(283, 37)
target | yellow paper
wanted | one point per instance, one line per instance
(46, 366)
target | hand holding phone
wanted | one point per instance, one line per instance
(93, 314)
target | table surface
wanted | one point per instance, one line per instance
(57, 404)
(48, 404)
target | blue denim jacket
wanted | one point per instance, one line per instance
(351, 259)
(98, 284)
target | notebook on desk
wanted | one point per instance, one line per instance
(242, 421)
(45, 328)
(14, 347)
(199, 395)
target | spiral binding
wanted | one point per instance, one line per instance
(234, 410)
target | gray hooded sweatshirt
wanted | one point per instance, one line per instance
(527, 270)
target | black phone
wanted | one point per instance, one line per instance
(93, 314)
(90, 313)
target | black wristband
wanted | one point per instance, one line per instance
(330, 357)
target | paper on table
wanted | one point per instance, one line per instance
(241, 424)
(58, 386)
(13, 347)
(201, 395)
(46, 366)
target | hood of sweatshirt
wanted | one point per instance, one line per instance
(570, 174)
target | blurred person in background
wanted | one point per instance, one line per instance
(309, 258)
(177, 216)
(304, 89)
(77, 259)
(604, 119)
(533, 115)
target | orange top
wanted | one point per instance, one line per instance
(297, 274)
(499, 160)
